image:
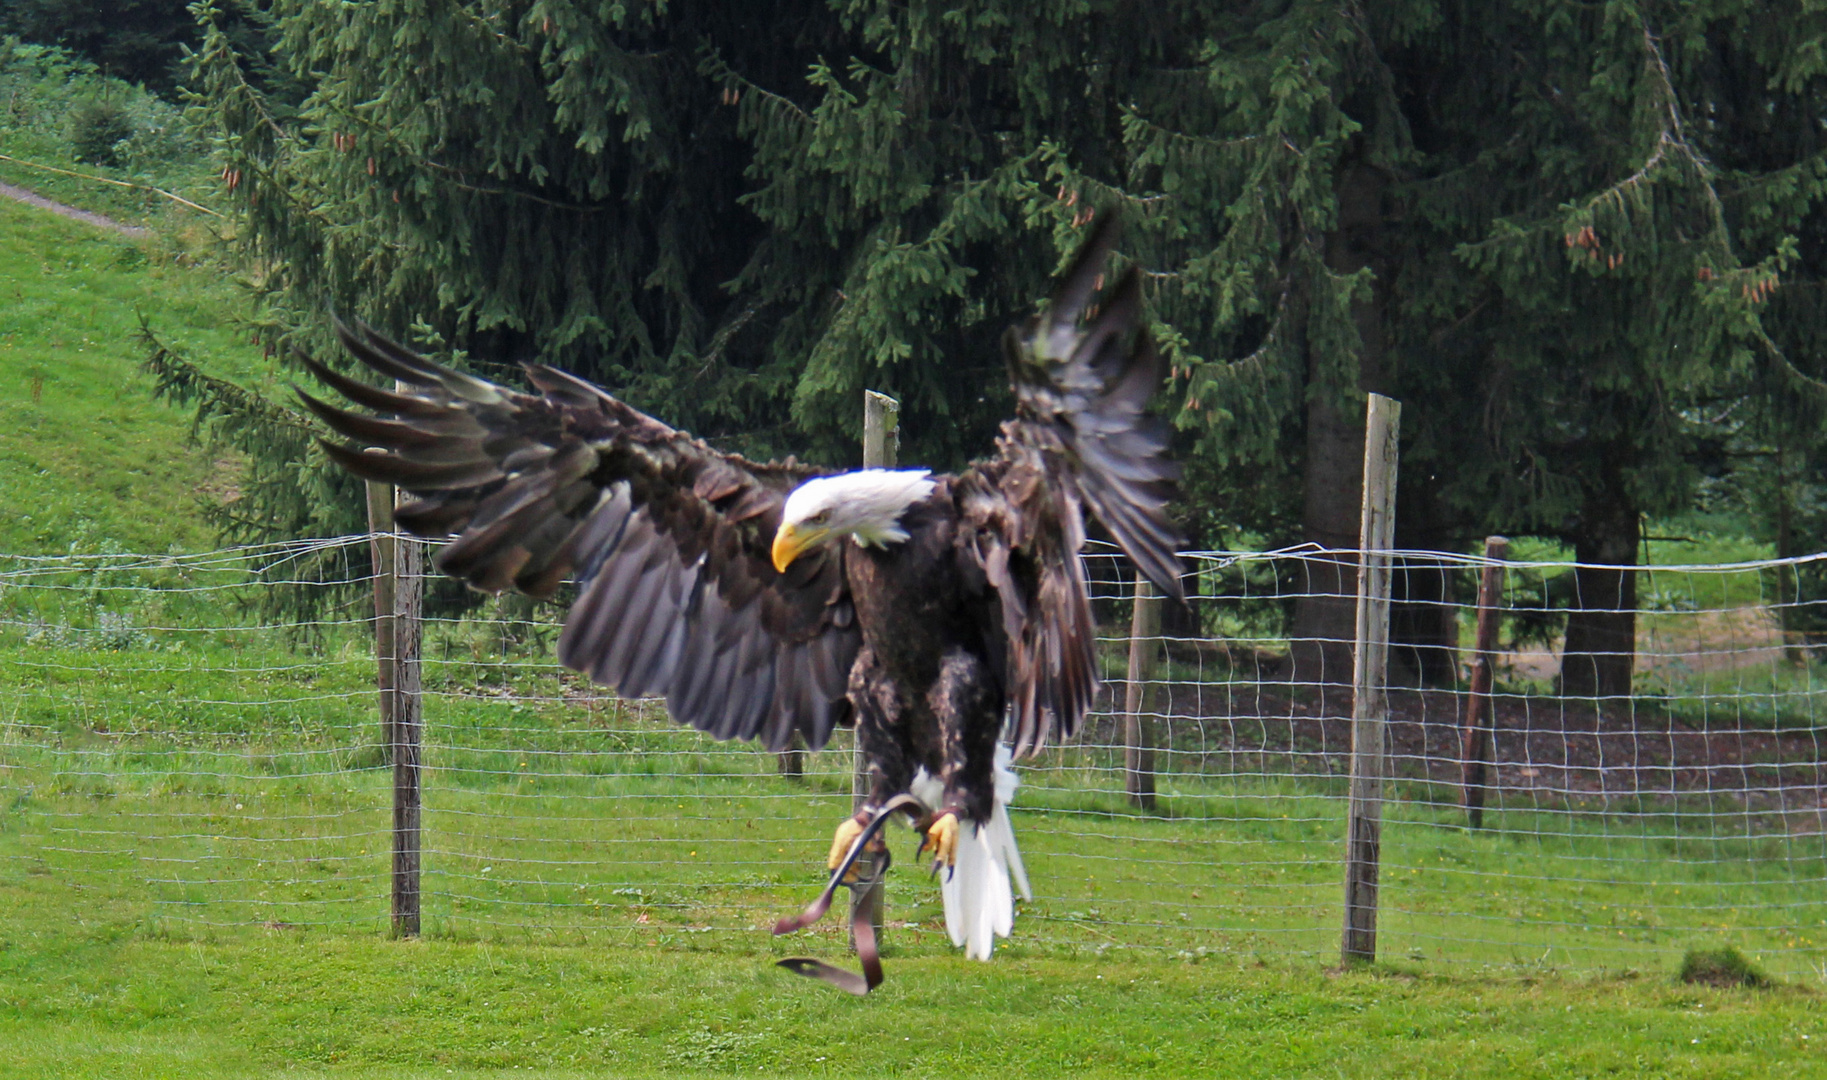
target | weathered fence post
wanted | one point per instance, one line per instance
(1138, 718)
(1370, 662)
(1478, 742)
(407, 724)
(881, 430)
(881, 441)
(382, 550)
(398, 591)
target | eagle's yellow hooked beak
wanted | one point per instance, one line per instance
(790, 541)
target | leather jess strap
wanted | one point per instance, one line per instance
(866, 948)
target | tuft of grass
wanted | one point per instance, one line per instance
(1725, 967)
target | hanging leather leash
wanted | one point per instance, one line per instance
(862, 929)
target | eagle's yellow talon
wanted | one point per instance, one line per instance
(942, 839)
(847, 832)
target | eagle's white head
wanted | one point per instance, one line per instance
(865, 506)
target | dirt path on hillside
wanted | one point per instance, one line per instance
(101, 221)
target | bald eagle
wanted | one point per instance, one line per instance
(945, 617)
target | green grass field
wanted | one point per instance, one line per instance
(220, 912)
(193, 876)
(194, 821)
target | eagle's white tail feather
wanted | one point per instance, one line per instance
(979, 901)
(1002, 835)
(1002, 838)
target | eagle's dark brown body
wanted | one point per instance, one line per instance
(928, 684)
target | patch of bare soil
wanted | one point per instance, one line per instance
(1728, 639)
(100, 221)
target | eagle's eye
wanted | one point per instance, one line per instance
(819, 518)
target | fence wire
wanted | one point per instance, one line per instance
(171, 739)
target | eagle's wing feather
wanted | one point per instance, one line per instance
(666, 538)
(1080, 441)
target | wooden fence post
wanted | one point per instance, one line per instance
(881, 442)
(382, 551)
(1138, 719)
(1478, 742)
(1370, 661)
(407, 735)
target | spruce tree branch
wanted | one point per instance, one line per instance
(1257, 356)
(1442, 334)
(257, 105)
(728, 330)
(180, 381)
(713, 66)
(1106, 192)
(1652, 46)
(272, 176)
(1672, 138)
(1272, 339)
(1203, 141)
(218, 46)
(455, 176)
(1816, 387)
(1759, 182)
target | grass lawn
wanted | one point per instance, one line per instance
(226, 777)
(212, 902)
(86, 989)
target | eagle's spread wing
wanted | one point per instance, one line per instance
(666, 538)
(1080, 441)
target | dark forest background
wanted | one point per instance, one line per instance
(1582, 242)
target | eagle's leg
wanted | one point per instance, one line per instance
(965, 703)
(847, 832)
(942, 838)
(882, 737)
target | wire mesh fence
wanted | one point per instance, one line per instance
(175, 735)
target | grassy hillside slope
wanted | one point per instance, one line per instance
(86, 457)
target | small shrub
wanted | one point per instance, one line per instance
(1720, 967)
(116, 630)
(158, 140)
(49, 635)
(97, 128)
(708, 1049)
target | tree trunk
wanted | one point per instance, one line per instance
(1787, 594)
(1319, 652)
(1423, 617)
(1601, 646)
(1423, 625)
(1325, 615)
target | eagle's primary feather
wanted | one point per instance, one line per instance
(934, 612)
